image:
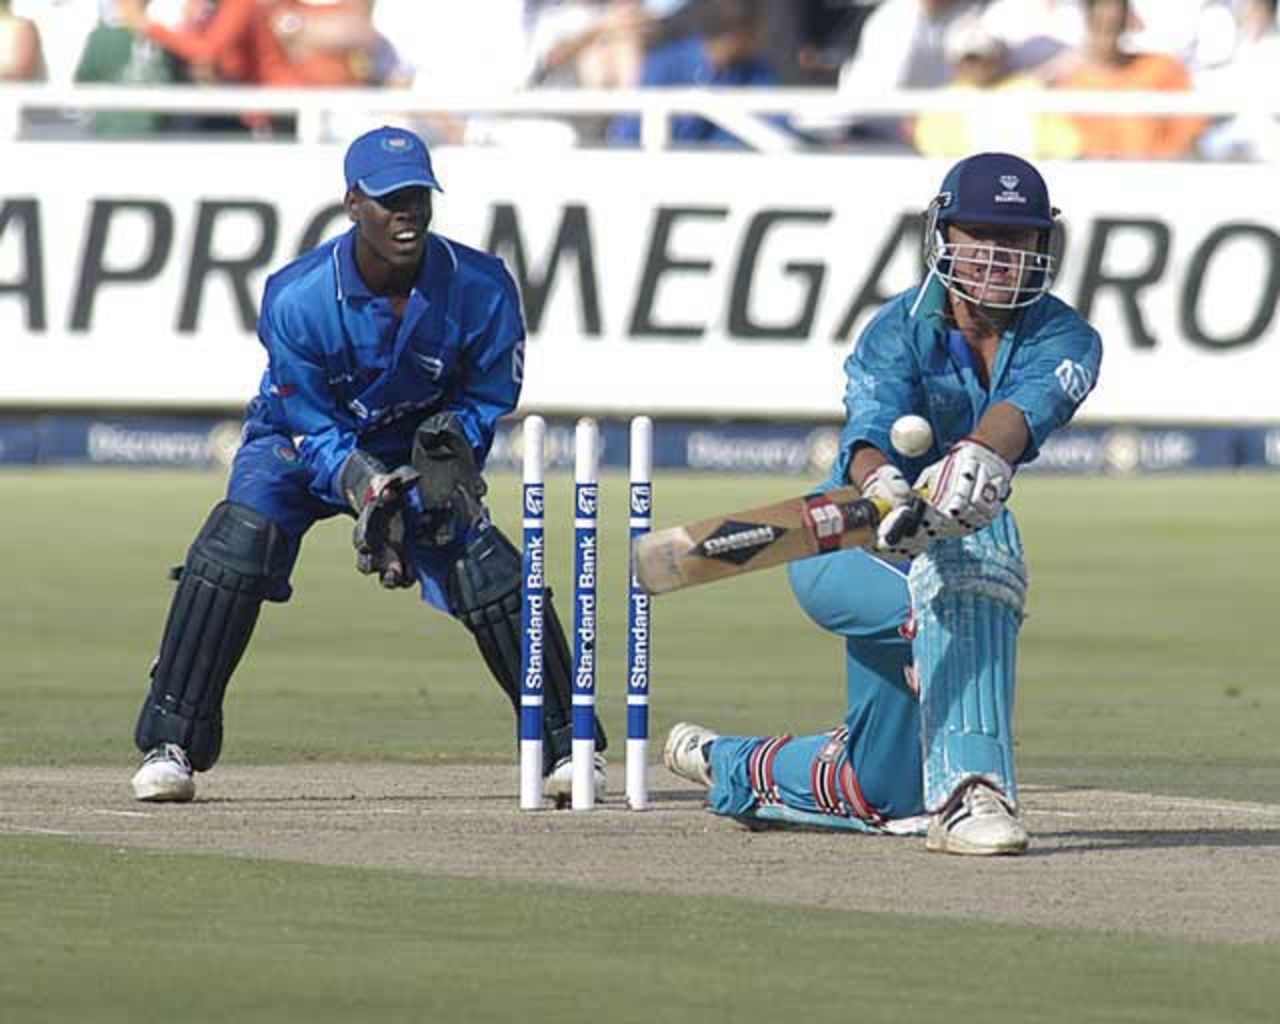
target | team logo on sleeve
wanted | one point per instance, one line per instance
(1076, 380)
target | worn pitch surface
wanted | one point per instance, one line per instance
(1100, 860)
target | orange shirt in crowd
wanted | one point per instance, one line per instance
(1134, 136)
(327, 44)
(238, 40)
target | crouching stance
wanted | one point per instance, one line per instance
(392, 352)
(930, 620)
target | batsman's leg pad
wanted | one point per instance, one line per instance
(968, 596)
(239, 559)
(484, 591)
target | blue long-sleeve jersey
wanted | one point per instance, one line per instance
(908, 360)
(343, 372)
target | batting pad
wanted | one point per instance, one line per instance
(967, 596)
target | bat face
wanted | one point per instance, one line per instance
(728, 545)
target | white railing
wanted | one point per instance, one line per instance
(745, 113)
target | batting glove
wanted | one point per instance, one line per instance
(887, 484)
(968, 485)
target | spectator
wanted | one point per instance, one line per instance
(475, 49)
(21, 56)
(827, 35)
(63, 26)
(333, 43)
(232, 41)
(901, 46)
(273, 42)
(1249, 73)
(114, 54)
(598, 44)
(726, 52)
(978, 61)
(1106, 65)
(1040, 36)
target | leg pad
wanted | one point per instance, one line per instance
(967, 598)
(484, 590)
(237, 560)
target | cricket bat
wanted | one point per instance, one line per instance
(729, 545)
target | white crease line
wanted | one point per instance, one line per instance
(85, 834)
(119, 814)
(15, 829)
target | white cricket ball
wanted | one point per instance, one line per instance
(911, 436)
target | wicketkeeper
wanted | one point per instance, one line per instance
(392, 353)
(930, 621)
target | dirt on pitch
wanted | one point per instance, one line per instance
(1099, 860)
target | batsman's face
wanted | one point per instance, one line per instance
(990, 263)
(393, 227)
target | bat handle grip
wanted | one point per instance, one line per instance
(907, 524)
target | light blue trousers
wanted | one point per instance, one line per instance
(869, 769)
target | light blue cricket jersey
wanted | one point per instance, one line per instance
(1046, 365)
(343, 372)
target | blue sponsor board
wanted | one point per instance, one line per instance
(782, 449)
(118, 440)
(1122, 450)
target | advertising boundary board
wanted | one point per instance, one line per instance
(800, 450)
(676, 284)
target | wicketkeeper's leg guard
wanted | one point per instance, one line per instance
(239, 559)
(484, 589)
(967, 595)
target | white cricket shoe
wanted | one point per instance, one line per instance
(165, 776)
(558, 783)
(977, 821)
(684, 753)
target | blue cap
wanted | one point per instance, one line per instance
(386, 159)
(995, 188)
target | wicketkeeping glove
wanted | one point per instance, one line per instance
(450, 485)
(968, 485)
(380, 535)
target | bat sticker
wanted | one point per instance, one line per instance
(739, 542)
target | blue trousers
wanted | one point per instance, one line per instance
(269, 477)
(869, 769)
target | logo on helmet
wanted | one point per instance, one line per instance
(1010, 193)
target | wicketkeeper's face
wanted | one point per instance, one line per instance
(991, 263)
(394, 226)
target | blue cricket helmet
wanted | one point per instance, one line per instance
(993, 190)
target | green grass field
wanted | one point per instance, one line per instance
(1148, 664)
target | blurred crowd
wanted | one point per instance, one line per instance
(855, 49)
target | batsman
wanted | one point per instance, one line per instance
(930, 617)
(392, 351)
